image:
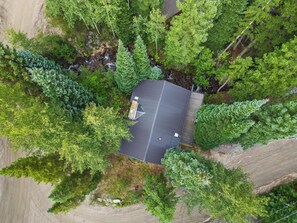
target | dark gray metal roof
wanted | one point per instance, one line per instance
(165, 106)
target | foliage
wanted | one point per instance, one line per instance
(123, 25)
(229, 196)
(272, 122)
(282, 204)
(107, 126)
(141, 59)
(273, 24)
(37, 61)
(72, 190)
(43, 129)
(125, 75)
(219, 124)
(123, 180)
(189, 30)
(102, 85)
(159, 198)
(142, 7)
(204, 67)
(272, 76)
(62, 89)
(226, 195)
(12, 68)
(225, 24)
(51, 46)
(156, 73)
(155, 30)
(186, 169)
(48, 169)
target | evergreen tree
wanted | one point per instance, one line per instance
(125, 75)
(12, 70)
(155, 30)
(141, 60)
(274, 75)
(37, 61)
(204, 67)
(62, 89)
(108, 127)
(47, 169)
(159, 198)
(186, 169)
(74, 185)
(219, 124)
(273, 24)
(188, 30)
(144, 8)
(225, 24)
(44, 128)
(272, 122)
(227, 193)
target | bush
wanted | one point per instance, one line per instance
(156, 73)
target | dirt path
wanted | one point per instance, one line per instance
(22, 15)
(23, 201)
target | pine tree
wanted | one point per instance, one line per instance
(188, 31)
(225, 24)
(55, 85)
(272, 122)
(186, 169)
(225, 193)
(125, 75)
(274, 75)
(273, 24)
(72, 190)
(37, 61)
(219, 124)
(141, 60)
(159, 198)
(47, 169)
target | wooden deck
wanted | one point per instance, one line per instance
(189, 126)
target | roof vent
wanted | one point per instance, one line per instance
(176, 135)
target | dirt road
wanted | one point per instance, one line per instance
(23, 201)
(22, 15)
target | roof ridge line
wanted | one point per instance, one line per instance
(154, 121)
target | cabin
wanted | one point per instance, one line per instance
(163, 116)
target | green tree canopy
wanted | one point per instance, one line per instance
(271, 122)
(219, 124)
(225, 25)
(47, 169)
(60, 88)
(188, 30)
(227, 195)
(141, 59)
(125, 75)
(274, 75)
(159, 198)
